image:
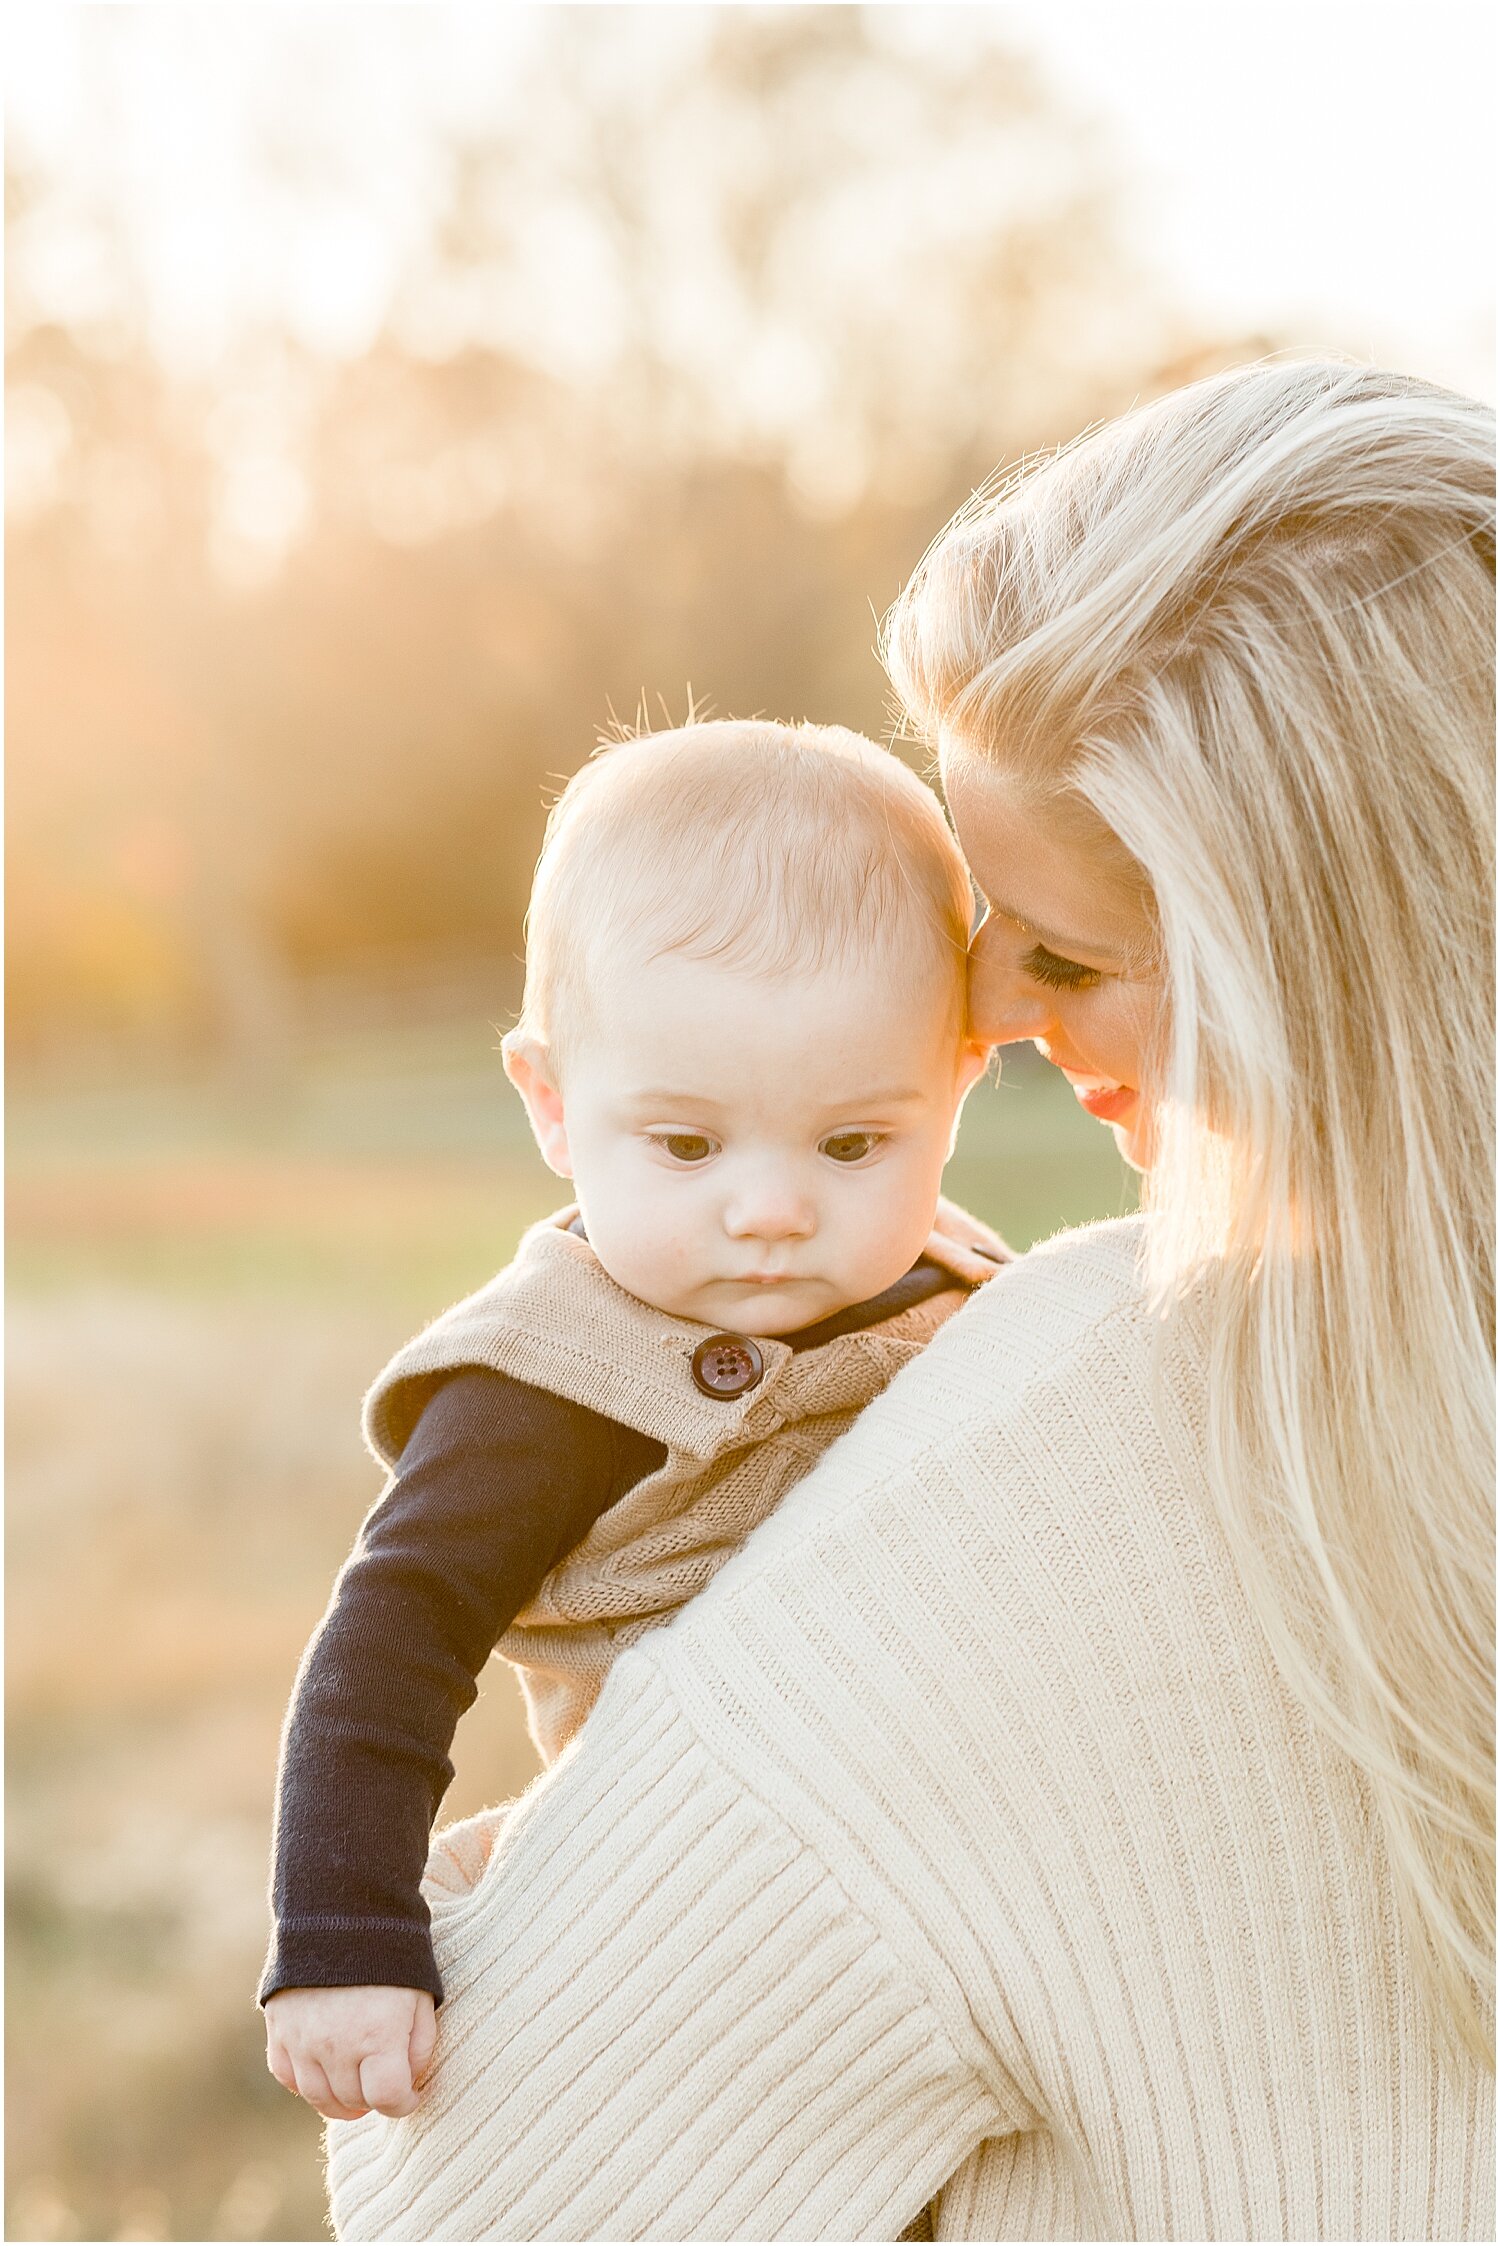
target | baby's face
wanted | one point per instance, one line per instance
(752, 1152)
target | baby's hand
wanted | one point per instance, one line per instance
(348, 2050)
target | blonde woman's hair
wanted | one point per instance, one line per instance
(1250, 628)
(774, 849)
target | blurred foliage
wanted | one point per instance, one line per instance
(694, 348)
(702, 342)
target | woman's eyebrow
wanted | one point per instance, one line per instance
(1067, 946)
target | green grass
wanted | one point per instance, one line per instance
(405, 1175)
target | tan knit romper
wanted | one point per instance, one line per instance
(555, 1319)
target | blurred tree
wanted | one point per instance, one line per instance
(706, 335)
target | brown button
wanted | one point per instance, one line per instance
(726, 1365)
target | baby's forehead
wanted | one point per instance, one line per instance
(675, 1022)
(885, 975)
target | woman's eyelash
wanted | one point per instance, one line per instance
(1047, 967)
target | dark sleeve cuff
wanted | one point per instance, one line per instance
(350, 1953)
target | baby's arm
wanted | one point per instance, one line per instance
(497, 1482)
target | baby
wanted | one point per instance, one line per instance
(744, 1041)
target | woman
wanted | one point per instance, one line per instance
(1077, 1802)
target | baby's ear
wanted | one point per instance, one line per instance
(529, 1068)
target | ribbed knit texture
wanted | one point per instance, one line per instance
(555, 1319)
(960, 1840)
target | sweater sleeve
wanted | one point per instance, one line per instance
(498, 1480)
(966, 1804)
(756, 1958)
(667, 2019)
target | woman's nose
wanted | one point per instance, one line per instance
(1004, 1003)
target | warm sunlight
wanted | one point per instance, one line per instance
(400, 400)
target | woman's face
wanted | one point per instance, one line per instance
(1066, 953)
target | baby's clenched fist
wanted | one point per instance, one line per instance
(348, 2051)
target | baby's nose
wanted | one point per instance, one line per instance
(769, 1208)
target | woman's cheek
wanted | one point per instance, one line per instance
(1117, 1037)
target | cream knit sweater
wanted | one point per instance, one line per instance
(958, 1840)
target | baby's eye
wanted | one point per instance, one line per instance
(1048, 967)
(687, 1146)
(850, 1146)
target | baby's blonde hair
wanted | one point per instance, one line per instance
(774, 849)
(1250, 629)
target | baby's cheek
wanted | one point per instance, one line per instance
(886, 1232)
(670, 1237)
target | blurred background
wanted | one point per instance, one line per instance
(397, 396)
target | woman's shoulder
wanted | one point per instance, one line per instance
(1040, 1392)
(1074, 1278)
(1078, 1299)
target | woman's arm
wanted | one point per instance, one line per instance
(667, 2018)
(783, 1935)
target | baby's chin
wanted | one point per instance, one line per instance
(737, 1307)
(774, 1311)
(769, 1311)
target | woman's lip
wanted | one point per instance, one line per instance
(1109, 1102)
